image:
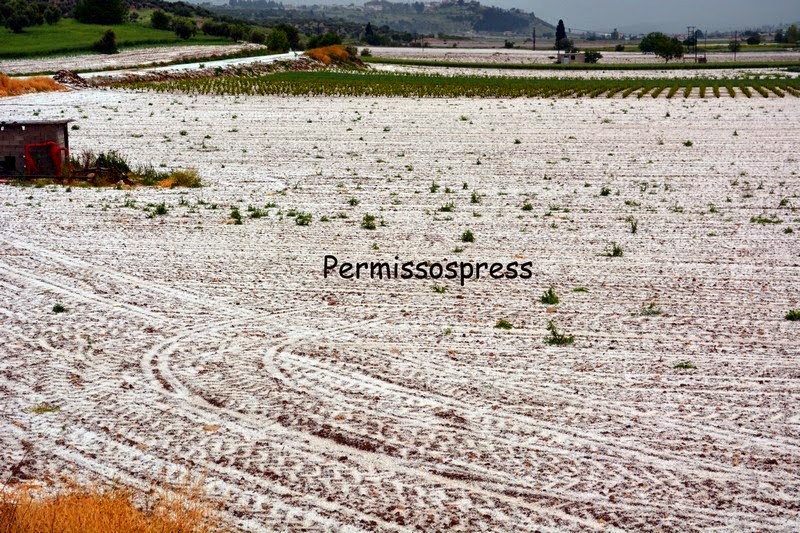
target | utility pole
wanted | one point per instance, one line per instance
(735, 44)
(534, 37)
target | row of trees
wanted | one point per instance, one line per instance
(791, 36)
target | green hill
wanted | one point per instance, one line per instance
(450, 18)
(69, 36)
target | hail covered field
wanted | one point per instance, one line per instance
(190, 343)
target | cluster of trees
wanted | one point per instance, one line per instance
(325, 39)
(281, 38)
(101, 11)
(184, 27)
(385, 36)
(495, 19)
(662, 45)
(791, 36)
(16, 15)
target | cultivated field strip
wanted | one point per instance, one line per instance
(434, 85)
(191, 343)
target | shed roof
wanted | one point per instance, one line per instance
(27, 122)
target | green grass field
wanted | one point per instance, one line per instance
(70, 37)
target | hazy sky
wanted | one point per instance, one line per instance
(669, 15)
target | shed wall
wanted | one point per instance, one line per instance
(14, 138)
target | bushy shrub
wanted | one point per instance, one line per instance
(184, 28)
(218, 29)
(326, 39)
(278, 41)
(107, 43)
(258, 37)
(160, 20)
(593, 56)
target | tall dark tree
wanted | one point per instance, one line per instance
(561, 31)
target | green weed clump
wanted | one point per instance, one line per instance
(764, 219)
(549, 297)
(555, 338)
(504, 324)
(616, 250)
(793, 315)
(650, 309)
(44, 408)
(468, 236)
(236, 216)
(368, 222)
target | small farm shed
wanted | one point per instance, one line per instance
(575, 57)
(36, 148)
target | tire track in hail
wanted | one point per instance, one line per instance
(204, 408)
(280, 347)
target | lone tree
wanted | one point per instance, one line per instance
(561, 35)
(662, 45)
(561, 31)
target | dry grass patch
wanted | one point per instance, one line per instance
(28, 509)
(336, 54)
(39, 84)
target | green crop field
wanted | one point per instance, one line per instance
(69, 37)
(323, 83)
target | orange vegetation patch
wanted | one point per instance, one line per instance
(81, 510)
(38, 84)
(330, 54)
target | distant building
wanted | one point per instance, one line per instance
(571, 57)
(33, 147)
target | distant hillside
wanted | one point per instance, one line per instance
(451, 17)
